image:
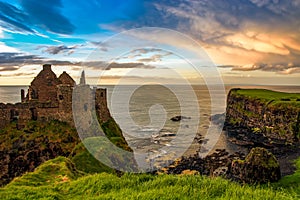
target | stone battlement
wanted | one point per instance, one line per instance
(50, 98)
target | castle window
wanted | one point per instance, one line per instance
(101, 94)
(33, 94)
(34, 115)
(85, 107)
(14, 115)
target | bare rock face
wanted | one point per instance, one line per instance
(260, 166)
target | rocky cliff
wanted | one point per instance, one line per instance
(275, 116)
(23, 150)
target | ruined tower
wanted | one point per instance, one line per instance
(82, 78)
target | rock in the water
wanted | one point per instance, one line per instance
(260, 166)
(179, 117)
(218, 119)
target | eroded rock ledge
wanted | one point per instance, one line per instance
(261, 117)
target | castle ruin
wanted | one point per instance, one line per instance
(50, 98)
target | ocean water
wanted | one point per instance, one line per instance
(11, 94)
(144, 113)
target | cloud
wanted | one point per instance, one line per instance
(101, 65)
(47, 15)
(18, 74)
(13, 19)
(9, 68)
(143, 55)
(59, 49)
(5, 48)
(288, 71)
(34, 14)
(154, 58)
(146, 50)
(231, 31)
(18, 59)
(101, 45)
(280, 68)
(13, 61)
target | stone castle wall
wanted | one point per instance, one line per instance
(48, 99)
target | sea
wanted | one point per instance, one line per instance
(144, 113)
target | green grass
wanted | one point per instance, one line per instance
(291, 183)
(36, 133)
(85, 162)
(47, 182)
(114, 134)
(271, 96)
(57, 170)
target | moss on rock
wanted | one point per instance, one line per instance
(260, 166)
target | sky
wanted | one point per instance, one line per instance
(239, 41)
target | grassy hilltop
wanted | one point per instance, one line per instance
(59, 179)
(73, 173)
(271, 96)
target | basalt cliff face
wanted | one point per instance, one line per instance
(274, 116)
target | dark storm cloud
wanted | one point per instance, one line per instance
(42, 14)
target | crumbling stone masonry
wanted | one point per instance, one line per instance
(50, 98)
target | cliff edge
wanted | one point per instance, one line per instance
(272, 117)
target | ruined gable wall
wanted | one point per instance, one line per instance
(66, 79)
(45, 85)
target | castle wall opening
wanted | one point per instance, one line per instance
(34, 115)
(14, 115)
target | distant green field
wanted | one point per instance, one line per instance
(269, 95)
(58, 179)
